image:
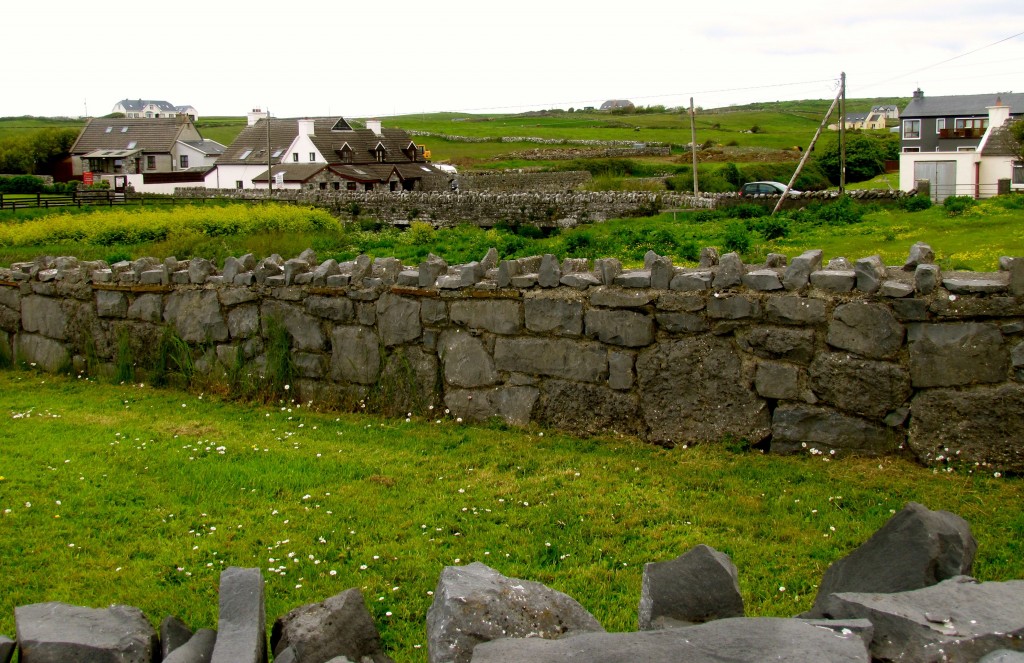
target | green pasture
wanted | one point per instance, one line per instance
(135, 495)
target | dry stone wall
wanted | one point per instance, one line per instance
(793, 355)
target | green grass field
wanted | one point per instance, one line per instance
(140, 496)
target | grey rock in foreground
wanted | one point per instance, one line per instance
(199, 648)
(737, 640)
(475, 603)
(698, 586)
(59, 633)
(6, 649)
(338, 626)
(959, 620)
(1003, 656)
(173, 634)
(242, 622)
(916, 548)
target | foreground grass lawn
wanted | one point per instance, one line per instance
(134, 495)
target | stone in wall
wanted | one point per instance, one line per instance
(699, 390)
(303, 329)
(40, 351)
(512, 404)
(799, 428)
(498, 316)
(630, 329)
(466, 361)
(795, 345)
(44, 315)
(949, 355)
(409, 379)
(983, 424)
(558, 358)
(870, 330)
(586, 409)
(862, 386)
(398, 319)
(196, 316)
(355, 355)
(553, 314)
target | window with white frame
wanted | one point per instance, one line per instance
(238, 184)
(312, 156)
(911, 149)
(911, 129)
(940, 125)
(1018, 172)
(295, 157)
(183, 161)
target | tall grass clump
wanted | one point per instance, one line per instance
(173, 363)
(280, 367)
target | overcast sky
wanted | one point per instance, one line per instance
(315, 57)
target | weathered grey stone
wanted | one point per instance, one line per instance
(466, 361)
(775, 260)
(309, 364)
(1016, 270)
(733, 307)
(777, 380)
(242, 623)
(575, 266)
(948, 354)
(662, 272)
(232, 267)
(681, 323)
(834, 280)
(795, 345)
(762, 279)
(430, 270)
(355, 355)
(554, 315)
(561, 358)
(870, 273)
(626, 328)
(10, 321)
(199, 269)
(607, 269)
(40, 351)
(499, 316)
(524, 280)
(398, 319)
(433, 311)
(959, 620)
(978, 425)
(10, 297)
(640, 278)
(147, 307)
(506, 270)
(411, 278)
(386, 269)
(920, 254)
(338, 626)
(7, 647)
(916, 548)
(798, 274)
(699, 586)
(692, 281)
(244, 321)
(867, 329)
(513, 404)
(861, 386)
(619, 298)
(111, 304)
(989, 306)
(580, 281)
(895, 289)
(44, 315)
(795, 310)
(173, 634)
(196, 316)
(800, 428)
(235, 296)
(620, 370)
(336, 309)
(927, 278)
(549, 274)
(409, 377)
(62, 633)
(735, 640)
(586, 409)
(974, 286)
(729, 273)
(708, 257)
(1017, 355)
(475, 604)
(722, 404)
(303, 328)
(198, 649)
(910, 310)
(839, 263)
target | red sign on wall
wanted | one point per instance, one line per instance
(87, 178)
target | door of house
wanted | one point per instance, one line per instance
(120, 183)
(941, 174)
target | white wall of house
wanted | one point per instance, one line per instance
(226, 176)
(303, 147)
(964, 163)
(195, 157)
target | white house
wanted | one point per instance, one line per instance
(152, 109)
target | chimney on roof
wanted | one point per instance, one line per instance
(918, 94)
(998, 114)
(256, 115)
(374, 126)
(306, 127)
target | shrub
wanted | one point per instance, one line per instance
(21, 184)
(736, 238)
(839, 213)
(956, 205)
(772, 227)
(916, 203)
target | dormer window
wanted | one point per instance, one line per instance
(379, 153)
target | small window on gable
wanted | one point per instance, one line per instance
(295, 157)
(312, 156)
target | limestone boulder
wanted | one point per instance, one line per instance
(7, 647)
(801, 428)
(196, 316)
(475, 604)
(868, 329)
(338, 626)
(586, 409)
(59, 633)
(862, 386)
(173, 634)
(242, 622)
(959, 620)
(512, 404)
(950, 355)
(398, 319)
(304, 329)
(198, 649)
(916, 548)
(466, 361)
(355, 355)
(699, 586)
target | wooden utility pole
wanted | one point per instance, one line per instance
(270, 163)
(807, 153)
(693, 148)
(842, 133)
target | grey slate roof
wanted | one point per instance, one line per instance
(962, 104)
(206, 146)
(156, 135)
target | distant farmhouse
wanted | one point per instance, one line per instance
(323, 153)
(872, 120)
(890, 112)
(958, 144)
(613, 104)
(144, 152)
(153, 109)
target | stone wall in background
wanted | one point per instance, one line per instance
(794, 355)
